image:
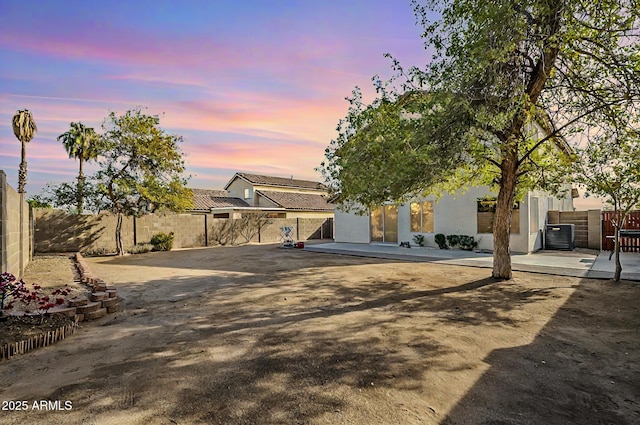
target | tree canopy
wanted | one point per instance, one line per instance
(507, 86)
(609, 166)
(24, 128)
(141, 168)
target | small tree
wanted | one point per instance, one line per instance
(24, 128)
(141, 170)
(609, 167)
(250, 224)
(81, 143)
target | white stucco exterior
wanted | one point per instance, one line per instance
(350, 227)
(457, 215)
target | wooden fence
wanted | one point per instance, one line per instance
(632, 222)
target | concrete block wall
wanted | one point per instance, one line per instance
(587, 226)
(188, 229)
(15, 242)
(594, 229)
(57, 231)
(272, 232)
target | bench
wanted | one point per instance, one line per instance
(625, 233)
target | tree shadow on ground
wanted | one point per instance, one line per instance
(240, 259)
(289, 344)
(582, 368)
(249, 352)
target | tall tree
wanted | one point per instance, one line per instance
(24, 128)
(142, 168)
(82, 143)
(507, 81)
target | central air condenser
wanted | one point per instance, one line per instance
(560, 236)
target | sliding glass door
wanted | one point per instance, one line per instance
(384, 224)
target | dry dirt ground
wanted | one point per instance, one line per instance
(258, 334)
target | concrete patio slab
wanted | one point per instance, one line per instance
(562, 263)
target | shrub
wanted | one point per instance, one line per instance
(464, 242)
(34, 299)
(468, 243)
(162, 242)
(419, 239)
(8, 286)
(141, 248)
(453, 240)
(98, 252)
(441, 241)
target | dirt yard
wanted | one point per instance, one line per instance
(258, 334)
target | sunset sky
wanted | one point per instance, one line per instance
(251, 85)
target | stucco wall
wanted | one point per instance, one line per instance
(454, 215)
(14, 255)
(350, 227)
(236, 190)
(457, 215)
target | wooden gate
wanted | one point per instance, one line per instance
(632, 222)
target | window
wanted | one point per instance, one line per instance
(486, 211)
(276, 215)
(247, 193)
(421, 216)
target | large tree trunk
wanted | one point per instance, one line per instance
(80, 191)
(119, 247)
(502, 216)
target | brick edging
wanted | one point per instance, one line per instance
(103, 299)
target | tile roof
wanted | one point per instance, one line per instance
(298, 201)
(205, 199)
(279, 181)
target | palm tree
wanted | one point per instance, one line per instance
(82, 143)
(24, 128)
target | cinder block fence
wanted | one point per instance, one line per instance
(57, 231)
(15, 229)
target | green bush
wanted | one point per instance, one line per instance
(453, 240)
(441, 241)
(141, 248)
(419, 239)
(98, 252)
(464, 242)
(468, 243)
(162, 242)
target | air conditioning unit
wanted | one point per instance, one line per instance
(560, 236)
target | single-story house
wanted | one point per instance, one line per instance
(278, 197)
(469, 214)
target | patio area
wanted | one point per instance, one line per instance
(579, 263)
